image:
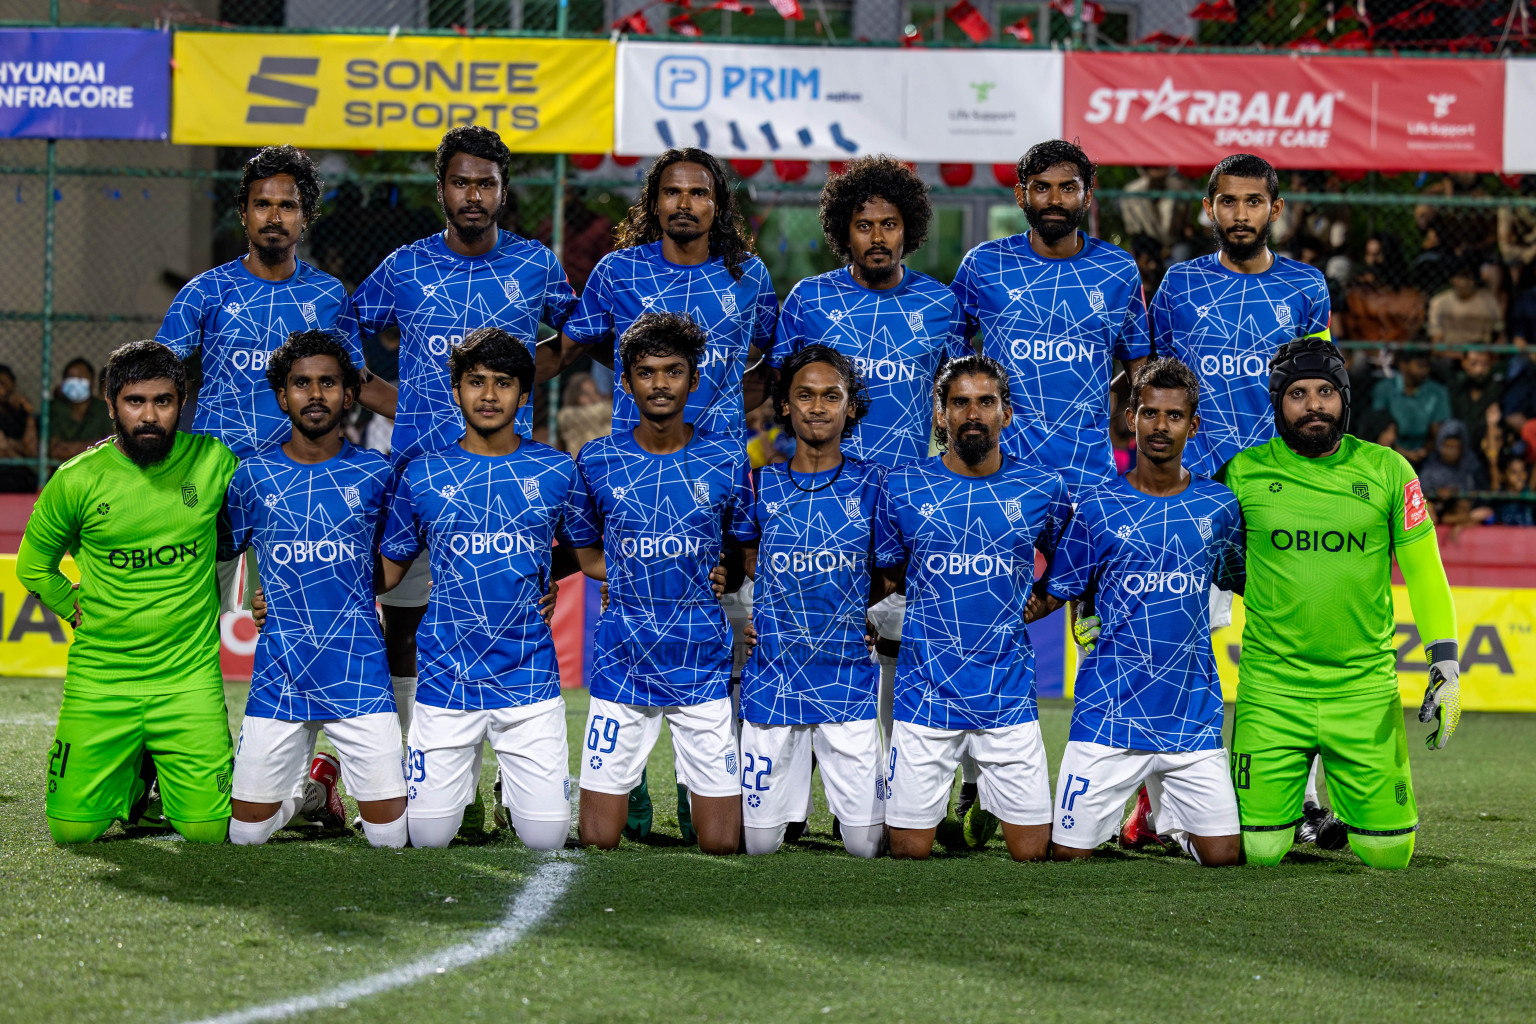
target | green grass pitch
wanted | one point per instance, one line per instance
(147, 929)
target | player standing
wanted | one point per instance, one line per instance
(1057, 308)
(140, 513)
(436, 291)
(1224, 315)
(809, 687)
(314, 507)
(487, 511)
(1147, 705)
(239, 313)
(659, 499)
(1325, 515)
(967, 525)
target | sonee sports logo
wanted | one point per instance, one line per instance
(298, 97)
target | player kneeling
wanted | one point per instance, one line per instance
(809, 686)
(488, 510)
(967, 525)
(1147, 706)
(313, 507)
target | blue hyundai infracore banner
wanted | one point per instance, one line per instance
(78, 83)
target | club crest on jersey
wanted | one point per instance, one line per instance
(512, 290)
(1362, 490)
(1096, 300)
(353, 499)
(189, 495)
(730, 763)
(311, 317)
(1013, 511)
(915, 320)
(531, 490)
(1283, 314)
(728, 304)
(1203, 524)
(851, 506)
(701, 493)
(1400, 792)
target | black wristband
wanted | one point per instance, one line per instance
(1441, 650)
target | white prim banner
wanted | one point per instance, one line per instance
(833, 103)
(1519, 116)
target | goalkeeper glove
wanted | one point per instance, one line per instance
(1085, 628)
(1442, 699)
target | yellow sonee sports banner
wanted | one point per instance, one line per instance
(391, 92)
(1497, 643)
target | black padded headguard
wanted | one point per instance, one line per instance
(1312, 357)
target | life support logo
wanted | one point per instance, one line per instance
(1234, 366)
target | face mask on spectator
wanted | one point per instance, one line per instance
(76, 389)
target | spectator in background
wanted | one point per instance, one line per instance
(1475, 389)
(18, 436)
(77, 419)
(1381, 305)
(1451, 473)
(1149, 263)
(585, 413)
(1464, 314)
(1496, 280)
(1162, 219)
(1511, 475)
(1432, 267)
(1517, 234)
(1120, 436)
(766, 442)
(1416, 404)
(1376, 426)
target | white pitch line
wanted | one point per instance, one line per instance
(524, 912)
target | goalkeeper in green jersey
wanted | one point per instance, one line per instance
(1325, 513)
(140, 514)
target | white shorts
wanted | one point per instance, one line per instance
(776, 772)
(619, 739)
(529, 740)
(1012, 782)
(411, 591)
(237, 582)
(1190, 791)
(272, 757)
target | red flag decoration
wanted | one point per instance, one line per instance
(970, 21)
(1215, 10)
(789, 10)
(1167, 39)
(635, 24)
(684, 25)
(1021, 30)
(911, 37)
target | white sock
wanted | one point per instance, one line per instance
(405, 698)
(254, 833)
(968, 770)
(765, 840)
(474, 793)
(1186, 843)
(1312, 783)
(434, 833)
(887, 696)
(392, 834)
(541, 835)
(862, 840)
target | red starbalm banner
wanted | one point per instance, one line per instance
(1295, 111)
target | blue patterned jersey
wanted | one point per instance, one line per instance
(1058, 325)
(811, 595)
(735, 314)
(662, 520)
(899, 338)
(969, 545)
(237, 320)
(436, 296)
(1150, 682)
(1226, 326)
(315, 529)
(488, 524)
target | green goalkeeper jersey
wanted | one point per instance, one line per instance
(1320, 538)
(145, 541)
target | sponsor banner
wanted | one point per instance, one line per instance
(75, 83)
(391, 92)
(821, 103)
(1519, 116)
(1498, 649)
(1363, 113)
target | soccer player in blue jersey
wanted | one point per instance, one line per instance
(487, 511)
(313, 507)
(809, 687)
(436, 291)
(239, 313)
(685, 249)
(659, 500)
(966, 525)
(1057, 308)
(1224, 315)
(1147, 705)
